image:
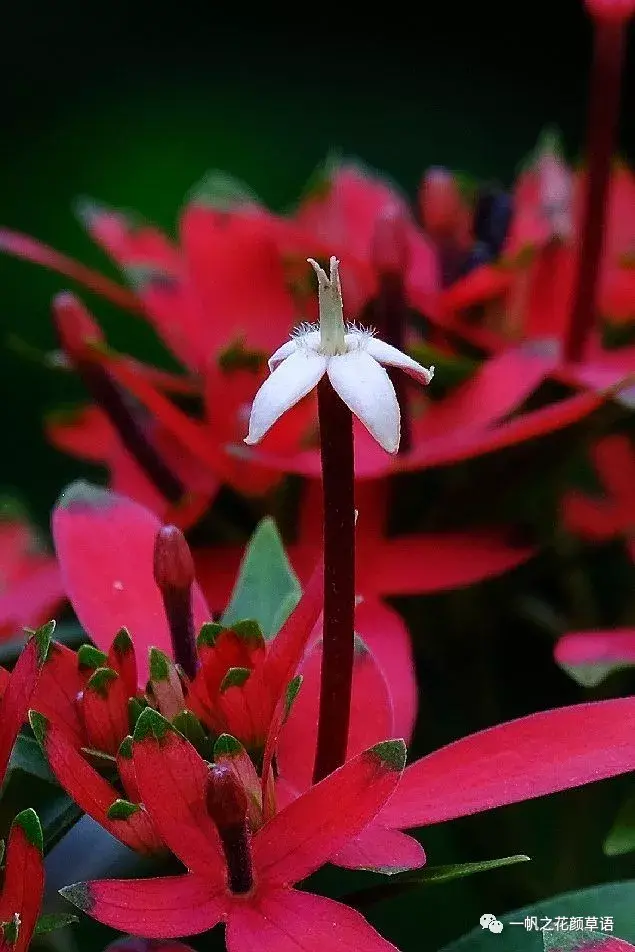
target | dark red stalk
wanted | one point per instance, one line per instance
(606, 73)
(338, 482)
(174, 575)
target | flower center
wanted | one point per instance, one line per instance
(227, 806)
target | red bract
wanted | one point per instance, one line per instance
(105, 547)
(614, 514)
(22, 883)
(528, 294)
(30, 585)
(196, 296)
(17, 690)
(80, 717)
(611, 11)
(612, 648)
(243, 879)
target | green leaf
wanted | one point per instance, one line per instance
(221, 191)
(29, 757)
(621, 839)
(267, 588)
(53, 921)
(429, 875)
(612, 899)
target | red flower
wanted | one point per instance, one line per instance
(243, 879)
(528, 294)
(22, 883)
(17, 690)
(30, 585)
(614, 514)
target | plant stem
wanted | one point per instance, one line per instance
(338, 484)
(608, 58)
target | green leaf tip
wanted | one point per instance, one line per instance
(125, 748)
(159, 665)
(90, 658)
(79, 895)
(227, 746)
(291, 694)
(122, 810)
(151, 725)
(11, 929)
(122, 643)
(142, 276)
(39, 725)
(84, 495)
(391, 753)
(221, 191)
(53, 921)
(249, 631)
(29, 822)
(187, 723)
(101, 680)
(208, 634)
(42, 637)
(235, 678)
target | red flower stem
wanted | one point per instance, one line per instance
(116, 405)
(606, 73)
(390, 313)
(338, 485)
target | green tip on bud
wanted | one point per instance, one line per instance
(11, 929)
(42, 638)
(90, 658)
(101, 681)
(250, 632)
(84, 495)
(332, 327)
(391, 754)
(235, 678)
(122, 810)
(39, 725)
(159, 665)
(122, 643)
(125, 748)
(29, 822)
(208, 634)
(151, 725)
(227, 746)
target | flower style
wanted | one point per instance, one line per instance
(22, 887)
(242, 878)
(350, 356)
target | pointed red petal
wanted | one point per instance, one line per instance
(286, 920)
(122, 659)
(496, 390)
(220, 249)
(126, 240)
(89, 790)
(126, 771)
(530, 757)
(23, 886)
(172, 779)
(104, 705)
(591, 518)
(57, 692)
(380, 849)
(597, 647)
(22, 246)
(385, 633)
(17, 696)
(29, 601)
(162, 908)
(304, 835)
(105, 546)
(371, 715)
(436, 561)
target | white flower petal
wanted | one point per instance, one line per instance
(282, 353)
(289, 382)
(365, 388)
(390, 356)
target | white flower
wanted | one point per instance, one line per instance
(350, 356)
